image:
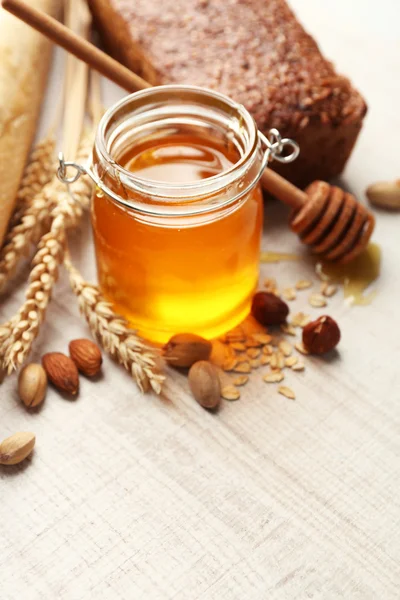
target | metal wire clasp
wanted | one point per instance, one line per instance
(63, 165)
(284, 150)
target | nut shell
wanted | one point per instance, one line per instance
(268, 309)
(321, 335)
(86, 355)
(62, 372)
(205, 384)
(385, 194)
(16, 448)
(184, 349)
(32, 385)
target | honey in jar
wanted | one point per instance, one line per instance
(177, 213)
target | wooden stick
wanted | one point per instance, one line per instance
(96, 107)
(282, 189)
(81, 48)
(78, 19)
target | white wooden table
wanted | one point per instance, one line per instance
(130, 497)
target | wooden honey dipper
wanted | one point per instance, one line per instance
(326, 218)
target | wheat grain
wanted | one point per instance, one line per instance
(114, 334)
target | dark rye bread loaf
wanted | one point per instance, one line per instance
(254, 51)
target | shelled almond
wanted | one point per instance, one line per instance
(32, 385)
(385, 194)
(205, 384)
(16, 448)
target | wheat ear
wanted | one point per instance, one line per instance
(36, 217)
(26, 322)
(38, 172)
(114, 334)
(19, 333)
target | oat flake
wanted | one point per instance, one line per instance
(230, 392)
(240, 380)
(300, 348)
(299, 366)
(291, 361)
(285, 347)
(273, 377)
(289, 293)
(286, 391)
(303, 284)
(317, 300)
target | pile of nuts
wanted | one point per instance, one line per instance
(63, 372)
(219, 368)
(216, 369)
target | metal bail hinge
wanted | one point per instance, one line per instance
(284, 150)
(62, 170)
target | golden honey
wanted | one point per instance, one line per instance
(178, 250)
(356, 276)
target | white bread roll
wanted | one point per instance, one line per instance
(24, 63)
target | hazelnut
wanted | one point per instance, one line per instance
(321, 335)
(268, 309)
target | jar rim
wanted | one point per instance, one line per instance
(167, 190)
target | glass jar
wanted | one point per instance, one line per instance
(178, 256)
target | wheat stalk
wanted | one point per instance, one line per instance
(114, 334)
(24, 326)
(35, 219)
(19, 333)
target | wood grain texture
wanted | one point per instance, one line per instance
(139, 497)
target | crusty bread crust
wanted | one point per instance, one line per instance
(252, 50)
(24, 63)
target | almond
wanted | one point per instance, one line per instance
(205, 384)
(16, 448)
(62, 371)
(185, 349)
(32, 385)
(86, 355)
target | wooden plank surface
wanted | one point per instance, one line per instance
(139, 497)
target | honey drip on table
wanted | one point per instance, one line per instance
(268, 256)
(356, 276)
